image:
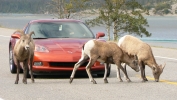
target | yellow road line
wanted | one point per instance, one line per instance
(165, 81)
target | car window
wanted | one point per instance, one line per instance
(60, 30)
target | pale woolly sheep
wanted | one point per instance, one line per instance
(105, 52)
(134, 46)
(24, 52)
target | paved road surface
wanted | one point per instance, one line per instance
(58, 87)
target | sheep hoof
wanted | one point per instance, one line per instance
(121, 80)
(24, 81)
(105, 81)
(146, 79)
(16, 82)
(143, 81)
(128, 80)
(94, 82)
(71, 79)
(33, 81)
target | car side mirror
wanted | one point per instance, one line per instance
(15, 36)
(99, 34)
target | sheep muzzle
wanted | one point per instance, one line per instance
(157, 80)
(137, 70)
(26, 47)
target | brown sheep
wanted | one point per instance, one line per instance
(134, 46)
(105, 52)
(24, 52)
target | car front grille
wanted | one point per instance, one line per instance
(65, 64)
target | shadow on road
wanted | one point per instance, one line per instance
(66, 76)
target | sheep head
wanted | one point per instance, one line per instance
(134, 62)
(25, 39)
(157, 71)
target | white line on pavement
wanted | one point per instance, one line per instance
(4, 36)
(166, 58)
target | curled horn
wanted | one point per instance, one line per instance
(83, 46)
(31, 33)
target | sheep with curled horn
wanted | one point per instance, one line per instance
(105, 52)
(134, 46)
(23, 52)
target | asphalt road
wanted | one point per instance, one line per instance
(58, 87)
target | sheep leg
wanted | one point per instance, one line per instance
(127, 78)
(120, 66)
(25, 64)
(143, 65)
(125, 73)
(105, 73)
(18, 70)
(90, 64)
(142, 71)
(76, 66)
(30, 70)
(118, 74)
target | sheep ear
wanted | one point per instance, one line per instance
(31, 33)
(21, 32)
(135, 57)
(153, 68)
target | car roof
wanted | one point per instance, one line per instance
(54, 20)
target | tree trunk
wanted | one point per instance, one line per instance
(108, 30)
(115, 31)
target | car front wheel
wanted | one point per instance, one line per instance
(13, 68)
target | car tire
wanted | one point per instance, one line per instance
(28, 74)
(13, 68)
(109, 71)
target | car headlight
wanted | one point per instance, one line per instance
(39, 48)
(38, 63)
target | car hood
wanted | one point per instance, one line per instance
(62, 44)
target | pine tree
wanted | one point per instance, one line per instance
(122, 16)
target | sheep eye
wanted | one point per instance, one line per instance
(23, 40)
(134, 62)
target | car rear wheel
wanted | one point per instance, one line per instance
(109, 71)
(13, 68)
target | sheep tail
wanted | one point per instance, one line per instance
(83, 46)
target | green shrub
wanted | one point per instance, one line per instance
(162, 6)
(166, 11)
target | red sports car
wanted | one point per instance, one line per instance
(58, 44)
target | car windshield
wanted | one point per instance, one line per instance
(60, 30)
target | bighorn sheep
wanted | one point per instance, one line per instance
(134, 46)
(105, 52)
(24, 52)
